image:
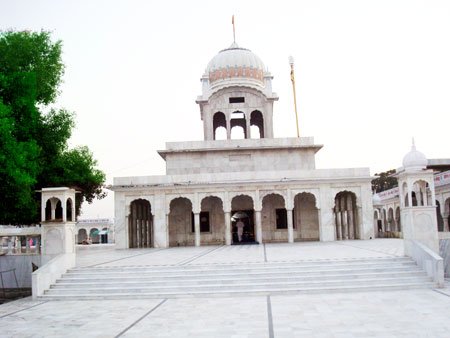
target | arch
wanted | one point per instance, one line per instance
(219, 126)
(82, 236)
(257, 121)
(274, 218)
(53, 209)
(420, 193)
(238, 123)
(93, 235)
(398, 219)
(212, 220)
(391, 225)
(346, 215)
(242, 208)
(69, 206)
(440, 219)
(306, 217)
(140, 224)
(181, 222)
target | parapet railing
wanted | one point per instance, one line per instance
(17, 240)
(429, 261)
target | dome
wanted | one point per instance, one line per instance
(376, 199)
(235, 63)
(414, 160)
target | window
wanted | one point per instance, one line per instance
(281, 216)
(237, 99)
(204, 222)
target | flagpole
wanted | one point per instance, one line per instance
(291, 62)
(234, 31)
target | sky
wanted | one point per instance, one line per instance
(370, 75)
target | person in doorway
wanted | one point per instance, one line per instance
(240, 229)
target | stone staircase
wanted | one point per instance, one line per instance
(246, 279)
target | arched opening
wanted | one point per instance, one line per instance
(181, 222)
(398, 220)
(219, 126)
(238, 125)
(242, 220)
(419, 194)
(82, 236)
(104, 236)
(346, 216)
(440, 219)
(256, 124)
(93, 235)
(140, 224)
(53, 210)
(377, 223)
(274, 219)
(391, 225)
(306, 218)
(212, 221)
(447, 214)
(48, 210)
(69, 210)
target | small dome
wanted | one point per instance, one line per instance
(414, 160)
(376, 199)
(237, 63)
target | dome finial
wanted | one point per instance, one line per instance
(234, 31)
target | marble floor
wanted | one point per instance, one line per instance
(406, 313)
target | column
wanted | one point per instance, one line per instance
(228, 129)
(290, 226)
(344, 225)
(197, 228)
(247, 127)
(27, 244)
(337, 215)
(227, 222)
(446, 225)
(258, 226)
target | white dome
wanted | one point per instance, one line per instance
(235, 63)
(376, 199)
(414, 160)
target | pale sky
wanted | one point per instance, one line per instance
(370, 74)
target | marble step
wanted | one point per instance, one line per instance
(254, 265)
(250, 286)
(155, 271)
(243, 293)
(129, 280)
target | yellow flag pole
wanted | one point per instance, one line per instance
(291, 62)
(234, 32)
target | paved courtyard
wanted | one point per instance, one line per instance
(407, 313)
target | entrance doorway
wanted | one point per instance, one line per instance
(242, 219)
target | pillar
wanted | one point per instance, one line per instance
(290, 225)
(446, 225)
(227, 220)
(228, 129)
(27, 244)
(344, 225)
(338, 225)
(197, 228)
(258, 226)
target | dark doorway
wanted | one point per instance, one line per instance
(248, 235)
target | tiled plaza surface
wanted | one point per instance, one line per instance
(408, 313)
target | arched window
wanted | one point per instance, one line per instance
(238, 125)
(257, 124)
(219, 126)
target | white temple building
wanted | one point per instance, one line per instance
(271, 184)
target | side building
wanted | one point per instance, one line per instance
(240, 175)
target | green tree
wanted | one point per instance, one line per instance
(385, 181)
(33, 145)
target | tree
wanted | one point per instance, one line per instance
(34, 149)
(385, 181)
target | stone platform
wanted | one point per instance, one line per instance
(401, 313)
